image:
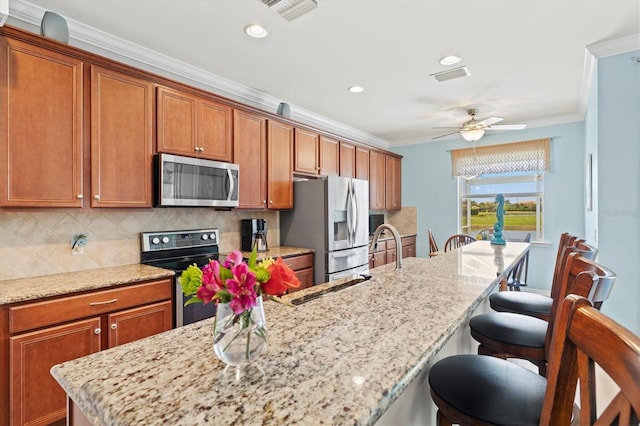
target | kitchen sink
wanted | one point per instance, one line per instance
(327, 289)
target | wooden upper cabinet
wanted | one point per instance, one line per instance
(250, 153)
(193, 126)
(329, 156)
(214, 130)
(176, 118)
(279, 165)
(362, 163)
(377, 180)
(392, 183)
(41, 100)
(121, 140)
(347, 160)
(306, 151)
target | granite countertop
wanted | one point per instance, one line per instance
(25, 289)
(276, 252)
(342, 358)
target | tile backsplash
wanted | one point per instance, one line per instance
(39, 243)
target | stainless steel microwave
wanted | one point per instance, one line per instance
(186, 181)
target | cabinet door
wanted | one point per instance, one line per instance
(392, 186)
(306, 279)
(176, 116)
(40, 127)
(409, 251)
(376, 180)
(36, 398)
(348, 160)
(392, 255)
(306, 152)
(121, 140)
(250, 153)
(377, 259)
(329, 156)
(214, 130)
(362, 163)
(280, 165)
(137, 323)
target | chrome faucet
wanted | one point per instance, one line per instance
(396, 237)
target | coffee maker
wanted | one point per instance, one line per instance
(254, 234)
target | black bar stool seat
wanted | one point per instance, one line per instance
(510, 394)
(513, 329)
(532, 304)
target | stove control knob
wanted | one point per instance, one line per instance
(212, 237)
(165, 240)
(155, 240)
(205, 237)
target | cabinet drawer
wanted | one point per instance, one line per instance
(409, 241)
(41, 314)
(382, 246)
(299, 262)
(391, 244)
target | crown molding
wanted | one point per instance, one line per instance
(96, 41)
(616, 46)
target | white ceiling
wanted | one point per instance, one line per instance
(526, 58)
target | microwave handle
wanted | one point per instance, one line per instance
(230, 176)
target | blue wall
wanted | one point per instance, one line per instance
(618, 149)
(427, 184)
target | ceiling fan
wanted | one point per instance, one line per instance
(473, 129)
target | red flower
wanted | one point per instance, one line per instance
(282, 279)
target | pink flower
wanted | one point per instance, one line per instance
(242, 288)
(233, 258)
(211, 281)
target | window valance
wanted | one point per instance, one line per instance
(530, 155)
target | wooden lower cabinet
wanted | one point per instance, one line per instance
(45, 333)
(302, 265)
(409, 246)
(35, 396)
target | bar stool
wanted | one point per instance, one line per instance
(535, 305)
(433, 246)
(508, 335)
(482, 390)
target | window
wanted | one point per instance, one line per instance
(515, 170)
(524, 201)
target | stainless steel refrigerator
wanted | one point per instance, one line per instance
(330, 215)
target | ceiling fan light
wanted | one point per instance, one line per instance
(472, 135)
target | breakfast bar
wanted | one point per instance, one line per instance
(342, 358)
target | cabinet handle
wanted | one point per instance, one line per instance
(79, 196)
(114, 326)
(96, 197)
(270, 201)
(264, 201)
(97, 331)
(103, 303)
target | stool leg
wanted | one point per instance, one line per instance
(442, 419)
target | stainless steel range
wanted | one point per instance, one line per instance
(176, 250)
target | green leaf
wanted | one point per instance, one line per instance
(253, 257)
(194, 299)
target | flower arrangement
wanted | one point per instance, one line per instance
(237, 288)
(236, 282)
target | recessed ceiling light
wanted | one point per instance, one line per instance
(450, 60)
(356, 89)
(256, 31)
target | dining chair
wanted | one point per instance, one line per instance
(433, 246)
(509, 335)
(482, 390)
(515, 280)
(539, 305)
(458, 240)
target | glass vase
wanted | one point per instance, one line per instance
(240, 338)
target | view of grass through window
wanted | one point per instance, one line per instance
(523, 204)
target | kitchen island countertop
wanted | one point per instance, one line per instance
(342, 358)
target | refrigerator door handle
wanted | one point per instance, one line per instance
(351, 252)
(349, 214)
(355, 212)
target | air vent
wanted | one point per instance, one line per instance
(291, 9)
(451, 74)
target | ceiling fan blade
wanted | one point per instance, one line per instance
(442, 136)
(489, 121)
(507, 127)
